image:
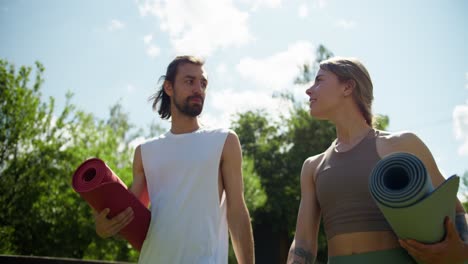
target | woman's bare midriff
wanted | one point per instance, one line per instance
(361, 242)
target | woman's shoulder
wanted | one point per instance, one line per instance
(396, 137)
(312, 164)
(315, 160)
(400, 141)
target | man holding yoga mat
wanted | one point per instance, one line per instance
(191, 177)
(335, 183)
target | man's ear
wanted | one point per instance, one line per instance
(168, 88)
(349, 87)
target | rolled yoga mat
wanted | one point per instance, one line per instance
(101, 188)
(402, 189)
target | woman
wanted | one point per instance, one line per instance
(334, 184)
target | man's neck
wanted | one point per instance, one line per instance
(183, 125)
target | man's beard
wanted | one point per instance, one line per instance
(187, 109)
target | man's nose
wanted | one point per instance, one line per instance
(197, 87)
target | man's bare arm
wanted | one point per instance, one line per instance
(237, 213)
(139, 187)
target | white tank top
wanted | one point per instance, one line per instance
(188, 220)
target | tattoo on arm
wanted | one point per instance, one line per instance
(301, 254)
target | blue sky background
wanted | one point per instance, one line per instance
(109, 51)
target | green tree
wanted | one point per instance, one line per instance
(40, 214)
(254, 194)
(464, 189)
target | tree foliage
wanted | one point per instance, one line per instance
(40, 214)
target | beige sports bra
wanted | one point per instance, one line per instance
(342, 187)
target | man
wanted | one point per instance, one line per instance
(192, 178)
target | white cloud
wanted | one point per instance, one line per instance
(279, 70)
(147, 38)
(199, 27)
(152, 50)
(303, 11)
(256, 4)
(115, 25)
(320, 3)
(131, 88)
(268, 75)
(225, 103)
(460, 126)
(221, 69)
(346, 24)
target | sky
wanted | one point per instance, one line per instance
(115, 51)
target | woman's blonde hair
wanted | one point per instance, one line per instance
(352, 69)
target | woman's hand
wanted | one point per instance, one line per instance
(452, 250)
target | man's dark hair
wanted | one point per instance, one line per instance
(161, 96)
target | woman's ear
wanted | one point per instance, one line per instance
(349, 87)
(168, 88)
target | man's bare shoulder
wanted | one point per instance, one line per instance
(232, 140)
(232, 135)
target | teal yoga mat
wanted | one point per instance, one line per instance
(402, 189)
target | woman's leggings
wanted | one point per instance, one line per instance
(389, 256)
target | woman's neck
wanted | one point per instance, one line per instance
(351, 128)
(352, 131)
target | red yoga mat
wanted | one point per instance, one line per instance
(101, 188)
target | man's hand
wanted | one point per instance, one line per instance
(452, 250)
(106, 227)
